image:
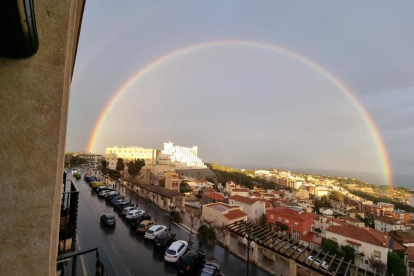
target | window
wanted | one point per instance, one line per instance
(272, 217)
(296, 224)
(377, 254)
(286, 221)
(279, 219)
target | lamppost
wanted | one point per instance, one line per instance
(171, 209)
(248, 241)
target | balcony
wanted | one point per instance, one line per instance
(68, 217)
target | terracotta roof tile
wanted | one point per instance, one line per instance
(353, 210)
(215, 196)
(235, 214)
(268, 204)
(387, 220)
(363, 234)
(240, 190)
(244, 199)
(288, 212)
(409, 252)
(311, 238)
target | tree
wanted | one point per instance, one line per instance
(104, 164)
(212, 235)
(336, 196)
(120, 164)
(131, 168)
(349, 253)
(281, 226)
(377, 265)
(194, 219)
(395, 264)
(263, 220)
(330, 246)
(139, 163)
(184, 189)
(175, 216)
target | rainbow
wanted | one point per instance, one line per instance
(386, 166)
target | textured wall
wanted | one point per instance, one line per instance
(34, 96)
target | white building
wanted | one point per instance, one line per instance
(223, 214)
(129, 154)
(387, 224)
(253, 207)
(261, 173)
(326, 211)
(183, 157)
(366, 241)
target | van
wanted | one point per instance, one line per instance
(97, 184)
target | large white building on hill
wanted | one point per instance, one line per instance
(183, 157)
(129, 153)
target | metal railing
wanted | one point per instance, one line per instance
(68, 217)
(99, 265)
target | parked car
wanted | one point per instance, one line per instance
(297, 248)
(103, 188)
(211, 269)
(137, 220)
(134, 213)
(154, 231)
(104, 192)
(191, 262)
(318, 262)
(128, 209)
(124, 204)
(108, 219)
(110, 195)
(113, 198)
(144, 225)
(90, 179)
(164, 240)
(97, 184)
(175, 251)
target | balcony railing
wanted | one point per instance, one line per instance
(63, 269)
(68, 217)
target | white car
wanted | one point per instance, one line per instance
(318, 262)
(128, 209)
(134, 213)
(175, 251)
(154, 231)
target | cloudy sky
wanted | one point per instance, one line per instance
(245, 105)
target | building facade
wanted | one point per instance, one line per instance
(183, 157)
(129, 154)
(253, 207)
(223, 214)
(299, 222)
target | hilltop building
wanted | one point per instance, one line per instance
(183, 157)
(129, 154)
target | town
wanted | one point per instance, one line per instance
(317, 213)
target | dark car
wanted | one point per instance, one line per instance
(90, 179)
(137, 220)
(112, 199)
(164, 240)
(191, 262)
(124, 204)
(103, 188)
(109, 196)
(210, 269)
(108, 219)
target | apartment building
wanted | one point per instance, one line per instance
(172, 182)
(299, 222)
(129, 154)
(387, 224)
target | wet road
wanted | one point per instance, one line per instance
(126, 251)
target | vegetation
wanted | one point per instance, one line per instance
(330, 246)
(368, 222)
(135, 167)
(75, 160)
(263, 220)
(281, 226)
(212, 235)
(349, 253)
(184, 188)
(395, 264)
(336, 196)
(120, 165)
(175, 216)
(378, 265)
(323, 202)
(375, 199)
(104, 164)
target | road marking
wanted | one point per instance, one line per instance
(81, 257)
(109, 257)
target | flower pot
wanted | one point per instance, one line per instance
(65, 244)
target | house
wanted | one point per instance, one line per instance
(326, 211)
(311, 239)
(354, 212)
(387, 224)
(409, 260)
(322, 223)
(253, 207)
(172, 182)
(340, 208)
(202, 183)
(213, 198)
(278, 194)
(352, 221)
(223, 214)
(269, 196)
(302, 193)
(239, 191)
(299, 222)
(366, 241)
(401, 216)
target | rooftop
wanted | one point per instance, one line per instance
(348, 218)
(215, 196)
(291, 212)
(235, 214)
(353, 210)
(387, 220)
(244, 199)
(221, 207)
(367, 235)
(241, 190)
(409, 253)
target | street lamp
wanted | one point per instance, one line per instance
(250, 245)
(171, 209)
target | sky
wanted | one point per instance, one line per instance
(249, 106)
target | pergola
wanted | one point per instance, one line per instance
(291, 249)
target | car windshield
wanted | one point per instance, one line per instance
(171, 252)
(141, 225)
(150, 231)
(110, 217)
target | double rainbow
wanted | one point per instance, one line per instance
(350, 95)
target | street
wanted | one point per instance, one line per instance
(129, 253)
